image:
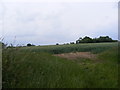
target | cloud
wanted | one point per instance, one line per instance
(58, 1)
(48, 23)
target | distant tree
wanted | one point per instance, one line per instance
(80, 38)
(77, 41)
(72, 43)
(57, 43)
(29, 44)
(94, 40)
(67, 43)
(86, 39)
(33, 45)
(115, 40)
(104, 39)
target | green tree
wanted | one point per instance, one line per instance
(29, 44)
(57, 43)
(104, 39)
(86, 39)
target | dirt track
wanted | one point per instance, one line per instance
(76, 55)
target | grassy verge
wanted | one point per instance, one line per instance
(43, 70)
(83, 47)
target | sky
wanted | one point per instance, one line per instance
(62, 21)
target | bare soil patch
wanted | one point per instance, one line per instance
(77, 55)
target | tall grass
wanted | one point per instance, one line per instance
(35, 69)
(87, 47)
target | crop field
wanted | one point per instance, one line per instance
(88, 65)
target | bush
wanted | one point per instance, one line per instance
(72, 43)
(30, 44)
(95, 40)
(57, 44)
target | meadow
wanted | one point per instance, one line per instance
(37, 67)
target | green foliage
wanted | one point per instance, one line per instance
(72, 43)
(32, 67)
(30, 44)
(104, 39)
(95, 40)
(86, 40)
(84, 47)
(57, 43)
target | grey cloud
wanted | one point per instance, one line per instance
(47, 23)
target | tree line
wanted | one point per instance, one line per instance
(87, 39)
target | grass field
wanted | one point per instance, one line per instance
(37, 67)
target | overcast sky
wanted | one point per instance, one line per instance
(43, 23)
